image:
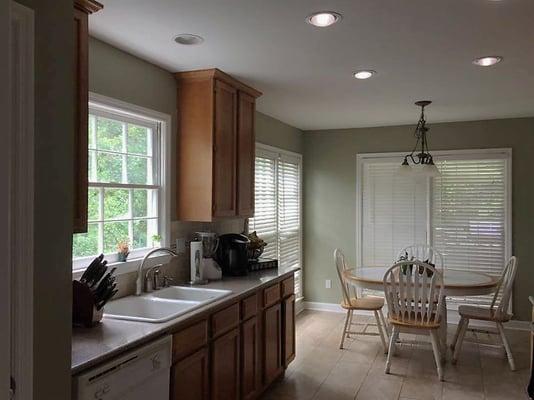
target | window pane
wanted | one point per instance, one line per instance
(140, 235)
(93, 205)
(85, 244)
(137, 170)
(116, 203)
(92, 123)
(139, 206)
(114, 232)
(138, 139)
(108, 134)
(109, 167)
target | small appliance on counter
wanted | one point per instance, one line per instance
(210, 243)
(232, 254)
(196, 270)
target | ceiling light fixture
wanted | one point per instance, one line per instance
(424, 158)
(364, 74)
(322, 19)
(188, 39)
(487, 61)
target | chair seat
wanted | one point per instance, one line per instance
(370, 303)
(413, 321)
(482, 313)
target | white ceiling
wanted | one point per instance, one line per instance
(420, 48)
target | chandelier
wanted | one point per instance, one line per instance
(423, 159)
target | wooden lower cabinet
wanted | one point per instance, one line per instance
(289, 330)
(190, 377)
(249, 359)
(272, 343)
(225, 367)
(236, 352)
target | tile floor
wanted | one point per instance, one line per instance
(323, 371)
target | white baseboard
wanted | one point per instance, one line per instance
(452, 316)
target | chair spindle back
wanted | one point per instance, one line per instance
(341, 266)
(504, 288)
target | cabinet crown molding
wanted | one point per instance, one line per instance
(215, 73)
(88, 6)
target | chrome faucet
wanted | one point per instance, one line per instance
(139, 281)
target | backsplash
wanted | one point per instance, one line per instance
(178, 267)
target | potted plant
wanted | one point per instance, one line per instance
(123, 249)
(156, 240)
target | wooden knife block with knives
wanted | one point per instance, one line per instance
(89, 295)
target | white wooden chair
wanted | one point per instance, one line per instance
(414, 292)
(423, 252)
(351, 302)
(497, 312)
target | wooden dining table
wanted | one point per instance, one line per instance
(456, 283)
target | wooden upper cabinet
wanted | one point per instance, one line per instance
(215, 146)
(82, 9)
(246, 149)
(224, 166)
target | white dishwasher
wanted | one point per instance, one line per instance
(139, 374)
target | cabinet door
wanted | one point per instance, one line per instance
(249, 359)
(245, 155)
(225, 367)
(272, 354)
(224, 165)
(289, 330)
(81, 120)
(189, 377)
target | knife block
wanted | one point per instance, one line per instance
(84, 312)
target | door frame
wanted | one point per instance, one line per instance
(20, 210)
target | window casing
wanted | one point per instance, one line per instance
(465, 213)
(278, 207)
(127, 194)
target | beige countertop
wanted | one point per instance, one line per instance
(90, 346)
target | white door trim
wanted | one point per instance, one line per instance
(21, 190)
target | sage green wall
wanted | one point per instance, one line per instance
(54, 44)
(330, 192)
(277, 133)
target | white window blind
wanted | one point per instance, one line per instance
(278, 204)
(464, 213)
(469, 216)
(394, 211)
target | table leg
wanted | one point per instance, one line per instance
(443, 329)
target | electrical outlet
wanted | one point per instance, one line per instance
(180, 246)
(328, 283)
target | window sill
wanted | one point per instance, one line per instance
(128, 266)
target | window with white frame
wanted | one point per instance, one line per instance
(126, 199)
(278, 207)
(464, 213)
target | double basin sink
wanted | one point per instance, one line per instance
(162, 305)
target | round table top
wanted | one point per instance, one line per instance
(454, 280)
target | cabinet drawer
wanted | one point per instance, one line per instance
(225, 319)
(288, 286)
(249, 307)
(271, 295)
(189, 340)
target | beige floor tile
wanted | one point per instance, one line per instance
(422, 388)
(379, 388)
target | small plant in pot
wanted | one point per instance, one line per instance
(156, 240)
(123, 249)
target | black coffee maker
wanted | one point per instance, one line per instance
(232, 254)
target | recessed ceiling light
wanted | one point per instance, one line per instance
(364, 74)
(487, 61)
(322, 19)
(188, 39)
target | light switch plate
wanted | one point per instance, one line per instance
(328, 283)
(180, 246)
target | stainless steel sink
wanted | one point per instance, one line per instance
(162, 305)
